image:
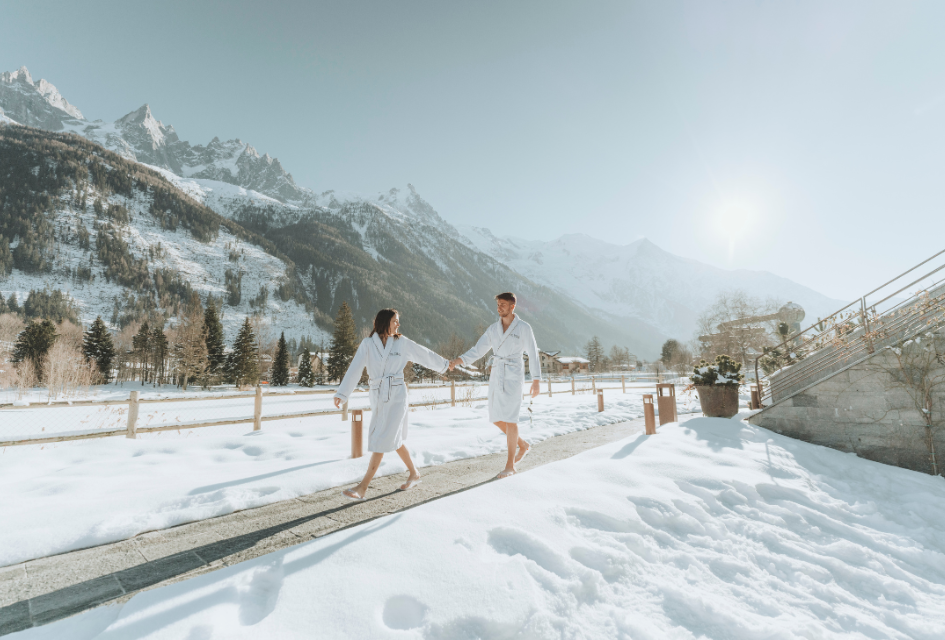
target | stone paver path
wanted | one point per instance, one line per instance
(48, 589)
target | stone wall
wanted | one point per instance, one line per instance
(868, 410)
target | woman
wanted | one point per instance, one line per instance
(385, 353)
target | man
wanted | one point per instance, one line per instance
(508, 339)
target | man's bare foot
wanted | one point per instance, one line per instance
(412, 480)
(506, 473)
(352, 494)
(522, 452)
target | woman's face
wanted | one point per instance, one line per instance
(394, 325)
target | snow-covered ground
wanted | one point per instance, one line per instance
(710, 529)
(70, 495)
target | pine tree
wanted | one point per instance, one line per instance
(97, 345)
(343, 343)
(280, 366)
(159, 348)
(245, 358)
(34, 343)
(306, 377)
(141, 351)
(594, 352)
(213, 332)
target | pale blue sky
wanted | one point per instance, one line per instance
(810, 133)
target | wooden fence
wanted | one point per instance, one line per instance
(132, 429)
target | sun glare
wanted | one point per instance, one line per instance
(732, 224)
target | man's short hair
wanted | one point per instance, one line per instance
(508, 297)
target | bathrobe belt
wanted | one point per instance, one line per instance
(504, 362)
(384, 384)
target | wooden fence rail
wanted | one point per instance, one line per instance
(132, 428)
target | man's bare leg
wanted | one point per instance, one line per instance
(511, 435)
(411, 469)
(523, 446)
(372, 468)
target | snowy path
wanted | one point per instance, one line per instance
(80, 494)
(709, 529)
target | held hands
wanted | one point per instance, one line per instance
(455, 363)
(535, 390)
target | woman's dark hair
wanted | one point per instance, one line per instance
(382, 322)
(508, 297)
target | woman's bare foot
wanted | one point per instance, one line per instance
(522, 451)
(505, 473)
(353, 494)
(412, 480)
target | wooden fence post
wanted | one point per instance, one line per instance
(623, 383)
(344, 412)
(549, 387)
(573, 392)
(257, 410)
(132, 414)
(357, 433)
(649, 414)
(452, 392)
(600, 400)
(593, 384)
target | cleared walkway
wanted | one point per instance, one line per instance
(48, 589)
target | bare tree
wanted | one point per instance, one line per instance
(740, 341)
(190, 349)
(66, 370)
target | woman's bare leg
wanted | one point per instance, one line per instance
(523, 446)
(373, 466)
(411, 469)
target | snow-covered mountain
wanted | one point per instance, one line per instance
(140, 137)
(638, 280)
(394, 248)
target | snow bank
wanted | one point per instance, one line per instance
(72, 495)
(712, 528)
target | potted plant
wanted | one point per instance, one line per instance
(717, 385)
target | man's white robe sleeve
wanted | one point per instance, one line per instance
(353, 374)
(478, 350)
(531, 349)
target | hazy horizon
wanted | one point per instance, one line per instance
(805, 140)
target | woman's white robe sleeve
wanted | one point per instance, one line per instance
(353, 374)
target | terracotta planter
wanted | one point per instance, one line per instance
(718, 401)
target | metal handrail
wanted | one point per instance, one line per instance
(847, 332)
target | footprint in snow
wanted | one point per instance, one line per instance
(404, 612)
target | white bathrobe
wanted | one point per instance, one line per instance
(388, 393)
(508, 370)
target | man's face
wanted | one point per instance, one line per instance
(504, 308)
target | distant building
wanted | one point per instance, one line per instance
(553, 363)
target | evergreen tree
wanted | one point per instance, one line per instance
(306, 377)
(594, 352)
(244, 369)
(13, 305)
(33, 344)
(97, 345)
(670, 347)
(141, 351)
(344, 343)
(213, 332)
(280, 366)
(159, 349)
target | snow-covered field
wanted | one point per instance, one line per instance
(709, 529)
(70, 495)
